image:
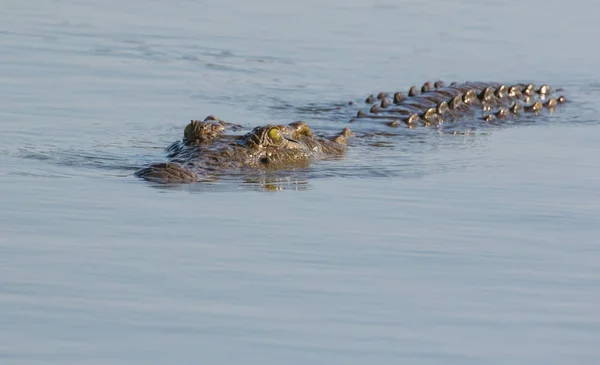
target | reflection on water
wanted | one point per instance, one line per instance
(265, 181)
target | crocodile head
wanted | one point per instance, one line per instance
(269, 147)
(276, 146)
(289, 146)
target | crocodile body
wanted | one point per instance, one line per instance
(207, 148)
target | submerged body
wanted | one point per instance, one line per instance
(206, 148)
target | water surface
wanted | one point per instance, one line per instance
(435, 249)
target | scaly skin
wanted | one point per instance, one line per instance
(435, 103)
(270, 147)
(201, 133)
(205, 148)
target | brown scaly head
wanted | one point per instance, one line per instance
(198, 132)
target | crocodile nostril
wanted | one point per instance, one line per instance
(264, 160)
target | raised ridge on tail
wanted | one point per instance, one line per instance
(435, 103)
(206, 148)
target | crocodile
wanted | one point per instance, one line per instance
(208, 149)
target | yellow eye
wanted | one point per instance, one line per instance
(275, 135)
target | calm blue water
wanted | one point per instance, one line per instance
(435, 249)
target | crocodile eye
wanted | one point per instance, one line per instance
(275, 135)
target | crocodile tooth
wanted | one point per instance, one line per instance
(413, 91)
(385, 102)
(438, 84)
(453, 84)
(361, 114)
(561, 99)
(489, 117)
(375, 109)
(370, 99)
